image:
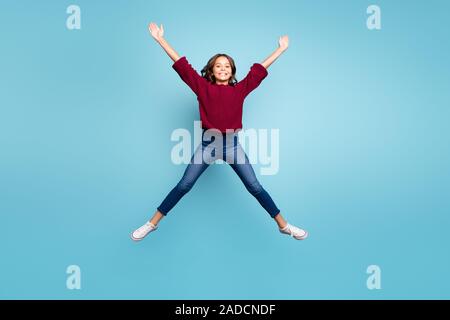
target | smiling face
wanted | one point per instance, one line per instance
(222, 70)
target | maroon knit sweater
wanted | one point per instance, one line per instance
(220, 105)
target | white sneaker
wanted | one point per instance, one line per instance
(141, 232)
(295, 232)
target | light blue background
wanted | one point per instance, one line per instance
(85, 125)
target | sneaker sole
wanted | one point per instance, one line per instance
(296, 238)
(301, 238)
(135, 239)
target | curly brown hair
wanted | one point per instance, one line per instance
(207, 71)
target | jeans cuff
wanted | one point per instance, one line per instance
(162, 211)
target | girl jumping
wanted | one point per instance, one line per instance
(221, 99)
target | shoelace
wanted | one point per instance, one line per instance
(287, 228)
(291, 232)
(144, 229)
(294, 229)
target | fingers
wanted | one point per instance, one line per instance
(153, 26)
(284, 38)
(283, 42)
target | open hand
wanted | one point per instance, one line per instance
(156, 32)
(283, 42)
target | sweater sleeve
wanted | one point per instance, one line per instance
(253, 79)
(188, 74)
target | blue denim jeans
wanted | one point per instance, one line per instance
(229, 150)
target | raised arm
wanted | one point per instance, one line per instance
(158, 34)
(283, 44)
